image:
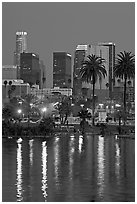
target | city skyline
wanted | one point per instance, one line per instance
(59, 26)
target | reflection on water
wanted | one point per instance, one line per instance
(44, 169)
(101, 161)
(71, 153)
(69, 168)
(31, 151)
(117, 162)
(56, 160)
(80, 143)
(19, 172)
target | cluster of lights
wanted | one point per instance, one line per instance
(44, 109)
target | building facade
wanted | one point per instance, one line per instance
(52, 91)
(62, 70)
(9, 72)
(21, 46)
(107, 51)
(103, 87)
(79, 56)
(29, 68)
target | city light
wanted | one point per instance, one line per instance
(44, 109)
(19, 111)
(117, 105)
(82, 105)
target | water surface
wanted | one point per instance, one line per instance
(68, 168)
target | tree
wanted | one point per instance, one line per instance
(5, 83)
(28, 100)
(10, 83)
(92, 69)
(84, 114)
(7, 113)
(107, 85)
(120, 114)
(125, 69)
(129, 83)
(64, 109)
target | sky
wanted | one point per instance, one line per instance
(61, 26)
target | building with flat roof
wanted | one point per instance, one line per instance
(62, 70)
(51, 93)
(80, 54)
(9, 72)
(30, 69)
(107, 52)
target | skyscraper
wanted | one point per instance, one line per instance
(80, 54)
(107, 51)
(62, 70)
(103, 87)
(21, 46)
(30, 71)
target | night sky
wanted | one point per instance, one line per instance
(61, 26)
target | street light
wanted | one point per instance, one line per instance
(44, 109)
(117, 105)
(82, 105)
(19, 111)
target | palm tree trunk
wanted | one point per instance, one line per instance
(125, 94)
(93, 109)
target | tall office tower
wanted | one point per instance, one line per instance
(62, 70)
(107, 51)
(21, 46)
(30, 70)
(81, 52)
(104, 87)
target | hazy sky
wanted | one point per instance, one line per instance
(61, 26)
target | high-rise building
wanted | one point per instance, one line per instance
(62, 70)
(107, 52)
(9, 72)
(21, 46)
(80, 54)
(30, 70)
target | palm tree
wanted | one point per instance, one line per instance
(5, 84)
(129, 83)
(84, 114)
(10, 90)
(29, 99)
(64, 109)
(125, 69)
(92, 69)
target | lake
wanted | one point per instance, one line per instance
(68, 168)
